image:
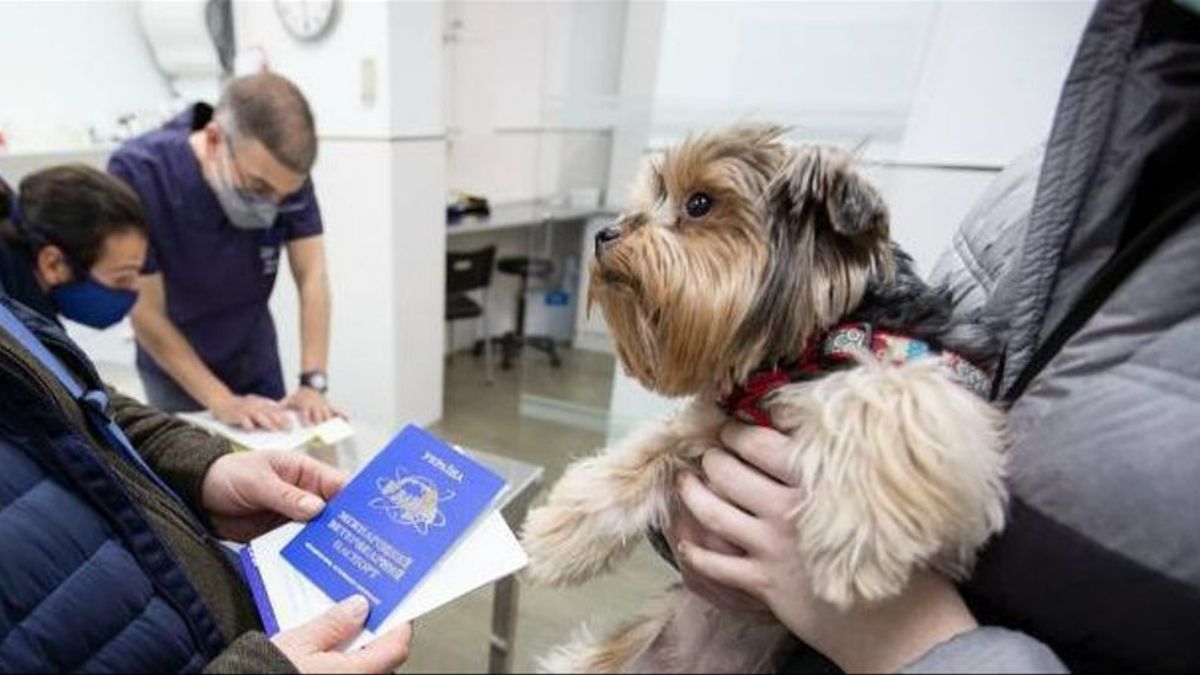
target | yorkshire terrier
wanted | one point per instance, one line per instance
(759, 279)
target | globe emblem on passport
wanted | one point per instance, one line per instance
(411, 501)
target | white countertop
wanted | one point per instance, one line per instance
(522, 214)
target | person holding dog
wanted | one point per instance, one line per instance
(1085, 252)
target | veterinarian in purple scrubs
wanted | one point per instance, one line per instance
(1087, 252)
(225, 191)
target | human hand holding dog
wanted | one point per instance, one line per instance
(750, 501)
(684, 528)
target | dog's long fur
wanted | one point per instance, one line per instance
(901, 466)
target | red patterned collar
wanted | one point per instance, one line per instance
(837, 349)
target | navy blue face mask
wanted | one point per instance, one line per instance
(85, 300)
(91, 303)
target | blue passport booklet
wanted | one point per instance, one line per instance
(395, 520)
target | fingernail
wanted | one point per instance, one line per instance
(312, 504)
(356, 606)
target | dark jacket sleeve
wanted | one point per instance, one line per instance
(177, 451)
(251, 653)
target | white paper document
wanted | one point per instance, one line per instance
(329, 432)
(488, 552)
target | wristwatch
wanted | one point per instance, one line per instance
(316, 380)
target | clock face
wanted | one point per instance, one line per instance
(306, 19)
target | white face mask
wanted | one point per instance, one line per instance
(244, 210)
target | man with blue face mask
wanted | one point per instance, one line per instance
(71, 244)
(225, 190)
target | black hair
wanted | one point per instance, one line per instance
(273, 111)
(6, 195)
(75, 207)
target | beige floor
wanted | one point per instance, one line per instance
(455, 639)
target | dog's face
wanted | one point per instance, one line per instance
(735, 249)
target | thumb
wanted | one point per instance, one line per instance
(290, 501)
(336, 626)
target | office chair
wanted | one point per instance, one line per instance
(526, 267)
(469, 271)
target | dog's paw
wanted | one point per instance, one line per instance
(592, 519)
(552, 537)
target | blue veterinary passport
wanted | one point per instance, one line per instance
(394, 522)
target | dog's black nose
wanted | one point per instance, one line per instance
(606, 237)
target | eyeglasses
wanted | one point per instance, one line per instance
(261, 194)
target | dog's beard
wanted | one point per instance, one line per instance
(631, 328)
(674, 308)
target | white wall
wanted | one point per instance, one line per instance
(524, 79)
(380, 178)
(991, 74)
(69, 66)
(835, 70)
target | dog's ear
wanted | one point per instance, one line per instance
(855, 208)
(818, 187)
(827, 228)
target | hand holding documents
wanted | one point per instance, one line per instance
(329, 432)
(412, 531)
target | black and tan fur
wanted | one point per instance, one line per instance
(901, 466)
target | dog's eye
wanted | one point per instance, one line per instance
(698, 205)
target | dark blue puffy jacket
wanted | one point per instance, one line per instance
(85, 583)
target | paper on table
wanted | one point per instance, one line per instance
(329, 432)
(486, 553)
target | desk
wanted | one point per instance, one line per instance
(522, 214)
(505, 226)
(524, 483)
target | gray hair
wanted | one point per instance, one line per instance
(272, 110)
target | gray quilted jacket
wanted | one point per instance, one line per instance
(1099, 568)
